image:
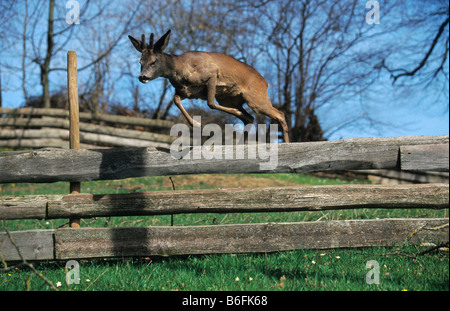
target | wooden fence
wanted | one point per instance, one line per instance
(50, 165)
(79, 165)
(40, 127)
(394, 177)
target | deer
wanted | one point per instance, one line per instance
(208, 76)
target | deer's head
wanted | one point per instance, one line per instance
(152, 60)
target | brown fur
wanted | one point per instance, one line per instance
(209, 76)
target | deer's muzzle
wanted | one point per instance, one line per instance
(144, 79)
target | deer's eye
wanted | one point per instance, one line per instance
(152, 64)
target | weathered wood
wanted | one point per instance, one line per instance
(84, 165)
(33, 123)
(35, 133)
(428, 157)
(19, 112)
(88, 116)
(32, 245)
(74, 110)
(25, 206)
(397, 176)
(72, 86)
(41, 143)
(84, 127)
(120, 141)
(244, 238)
(306, 198)
(309, 198)
(52, 135)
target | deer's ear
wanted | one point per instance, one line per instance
(162, 43)
(137, 44)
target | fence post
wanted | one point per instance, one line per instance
(74, 134)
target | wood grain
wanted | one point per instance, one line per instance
(87, 116)
(89, 132)
(425, 157)
(285, 199)
(243, 238)
(32, 245)
(84, 165)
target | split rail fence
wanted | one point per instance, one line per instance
(79, 165)
(41, 127)
(422, 153)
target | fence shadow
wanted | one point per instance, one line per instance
(114, 165)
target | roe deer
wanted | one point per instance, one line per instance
(208, 76)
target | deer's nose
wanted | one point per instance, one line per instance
(144, 79)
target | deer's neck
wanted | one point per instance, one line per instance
(173, 67)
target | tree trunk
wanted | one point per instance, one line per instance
(0, 86)
(45, 67)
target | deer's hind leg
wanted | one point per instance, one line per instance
(236, 102)
(228, 104)
(262, 104)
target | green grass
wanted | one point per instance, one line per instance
(343, 269)
(326, 270)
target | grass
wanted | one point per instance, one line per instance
(300, 270)
(327, 270)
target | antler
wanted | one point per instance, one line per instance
(143, 44)
(151, 41)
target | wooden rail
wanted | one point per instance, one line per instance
(243, 238)
(58, 128)
(39, 128)
(398, 176)
(90, 134)
(347, 154)
(285, 199)
(62, 113)
(80, 165)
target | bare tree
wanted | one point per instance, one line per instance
(323, 62)
(47, 49)
(24, 52)
(315, 48)
(309, 51)
(433, 50)
(214, 26)
(8, 9)
(0, 85)
(51, 34)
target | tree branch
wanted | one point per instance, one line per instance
(111, 47)
(423, 61)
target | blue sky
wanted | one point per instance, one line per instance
(424, 111)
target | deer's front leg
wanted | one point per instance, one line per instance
(192, 122)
